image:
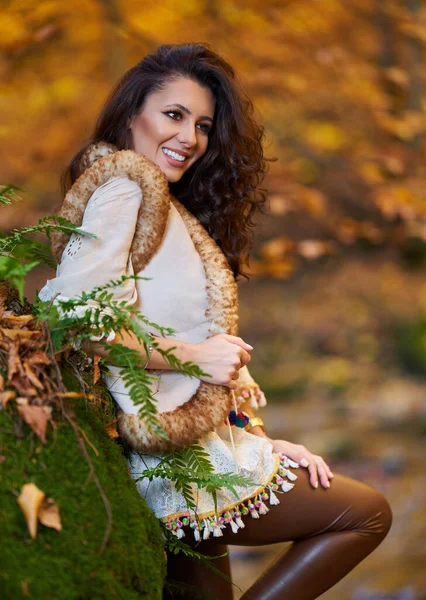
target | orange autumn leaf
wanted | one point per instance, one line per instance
(37, 418)
(13, 362)
(5, 397)
(32, 376)
(20, 333)
(75, 395)
(30, 500)
(111, 429)
(39, 358)
(49, 515)
(96, 369)
(18, 321)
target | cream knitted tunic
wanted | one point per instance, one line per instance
(175, 297)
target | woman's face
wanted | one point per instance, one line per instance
(173, 126)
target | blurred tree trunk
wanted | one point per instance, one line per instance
(415, 55)
(115, 55)
(388, 56)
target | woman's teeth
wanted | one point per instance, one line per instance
(174, 155)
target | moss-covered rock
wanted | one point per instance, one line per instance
(67, 565)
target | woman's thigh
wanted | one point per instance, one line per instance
(305, 511)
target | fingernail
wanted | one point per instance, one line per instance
(331, 474)
(304, 463)
(251, 347)
(327, 484)
(316, 484)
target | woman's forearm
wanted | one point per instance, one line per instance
(184, 351)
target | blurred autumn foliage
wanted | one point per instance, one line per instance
(338, 85)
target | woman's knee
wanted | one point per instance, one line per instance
(379, 519)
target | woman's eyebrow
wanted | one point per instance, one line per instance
(188, 112)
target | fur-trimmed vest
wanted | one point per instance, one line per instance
(207, 408)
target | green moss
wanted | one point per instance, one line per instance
(67, 565)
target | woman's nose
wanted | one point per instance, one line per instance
(188, 135)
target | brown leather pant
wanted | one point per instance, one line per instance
(332, 529)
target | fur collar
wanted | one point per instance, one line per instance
(209, 406)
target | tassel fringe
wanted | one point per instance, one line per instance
(256, 507)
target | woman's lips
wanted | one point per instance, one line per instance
(173, 162)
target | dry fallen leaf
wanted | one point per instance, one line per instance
(39, 358)
(96, 369)
(5, 397)
(1, 382)
(30, 500)
(36, 417)
(49, 515)
(111, 429)
(13, 362)
(20, 333)
(74, 395)
(25, 588)
(18, 321)
(32, 376)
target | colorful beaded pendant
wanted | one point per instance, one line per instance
(239, 419)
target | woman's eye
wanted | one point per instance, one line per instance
(174, 114)
(204, 127)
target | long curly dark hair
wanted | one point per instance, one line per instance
(222, 189)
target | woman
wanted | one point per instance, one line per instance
(188, 126)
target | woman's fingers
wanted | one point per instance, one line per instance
(313, 474)
(322, 472)
(238, 341)
(244, 358)
(319, 471)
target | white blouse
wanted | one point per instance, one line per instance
(174, 296)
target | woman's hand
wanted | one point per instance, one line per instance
(317, 467)
(222, 356)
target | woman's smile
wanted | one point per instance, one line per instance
(174, 158)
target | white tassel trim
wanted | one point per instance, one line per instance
(234, 526)
(263, 509)
(206, 531)
(233, 517)
(286, 486)
(217, 532)
(273, 500)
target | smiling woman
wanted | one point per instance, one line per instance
(173, 126)
(169, 183)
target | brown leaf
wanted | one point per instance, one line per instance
(96, 369)
(20, 333)
(25, 588)
(21, 384)
(73, 395)
(1, 382)
(32, 376)
(37, 418)
(39, 358)
(111, 429)
(30, 500)
(19, 321)
(5, 397)
(49, 515)
(14, 362)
